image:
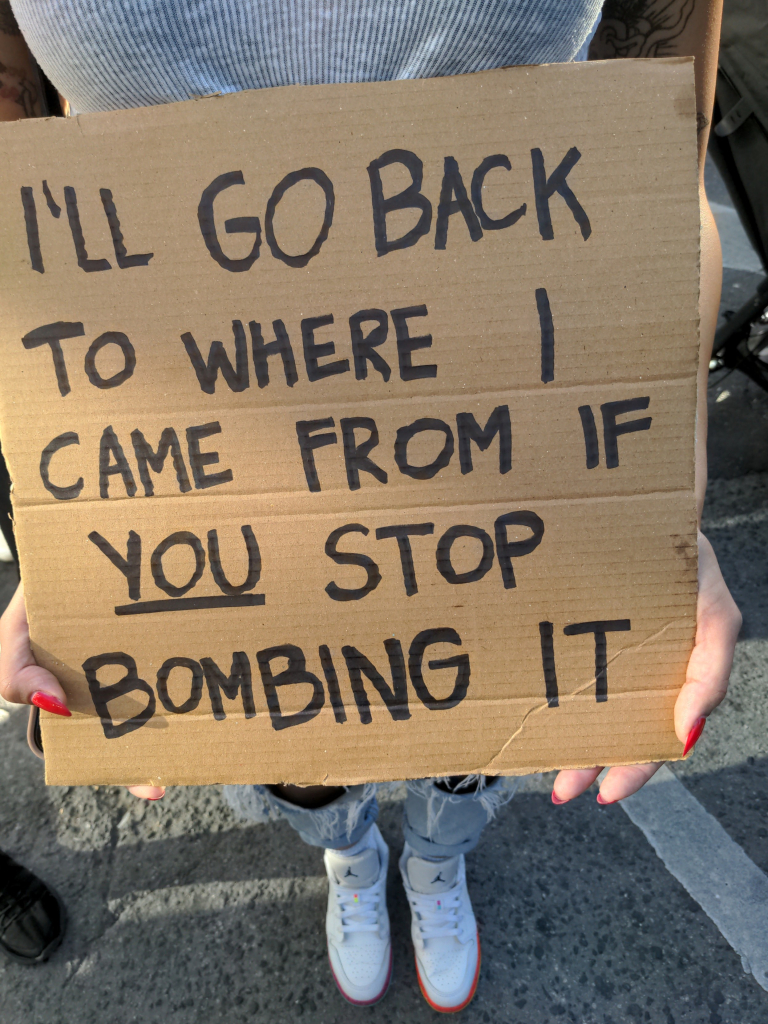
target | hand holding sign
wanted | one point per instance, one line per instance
(23, 681)
(718, 622)
(438, 472)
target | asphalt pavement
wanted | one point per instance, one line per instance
(181, 913)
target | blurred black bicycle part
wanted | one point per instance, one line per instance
(739, 147)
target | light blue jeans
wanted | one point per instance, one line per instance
(437, 822)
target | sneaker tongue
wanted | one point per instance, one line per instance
(432, 876)
(358, 872)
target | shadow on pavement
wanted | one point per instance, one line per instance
(579, 920)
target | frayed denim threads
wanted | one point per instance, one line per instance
(436, 823)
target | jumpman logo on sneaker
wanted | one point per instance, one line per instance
(350, 873)
(438, 878)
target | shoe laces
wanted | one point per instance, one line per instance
(359, 909)
(437, 916)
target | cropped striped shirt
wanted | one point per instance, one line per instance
(112, 54)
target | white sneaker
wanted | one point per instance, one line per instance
(443, 930)
(357, 923)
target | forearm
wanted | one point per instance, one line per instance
(666, 28)
(20, 87)
(679, 28)
(709, 304)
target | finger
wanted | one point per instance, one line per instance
(21, 678)
(572, 782)
(625, 780)
(718, 622)
(147, 792)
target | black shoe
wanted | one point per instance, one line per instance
(32, 917)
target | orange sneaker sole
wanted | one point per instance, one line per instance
(470, 997)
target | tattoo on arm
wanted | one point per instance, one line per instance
(17, 84)
(640, 28)
(8, 24)
(643, 28)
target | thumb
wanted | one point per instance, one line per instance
(147, 792)
(21, 678)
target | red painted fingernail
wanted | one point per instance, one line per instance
(694, 734)
(47, 702)
(604, 802)
(556, 799)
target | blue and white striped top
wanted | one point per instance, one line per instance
(112, 54)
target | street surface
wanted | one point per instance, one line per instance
(180, 913)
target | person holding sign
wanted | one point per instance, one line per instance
(109, 55)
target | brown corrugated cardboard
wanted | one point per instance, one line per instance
(490, 340)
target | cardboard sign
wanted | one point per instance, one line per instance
(352, 427)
